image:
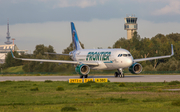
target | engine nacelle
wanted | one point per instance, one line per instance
(82, 69)
(135, 68)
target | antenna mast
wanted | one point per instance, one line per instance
(8, 34)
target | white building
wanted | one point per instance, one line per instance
(4, 49)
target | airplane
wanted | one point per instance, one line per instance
(99, 59)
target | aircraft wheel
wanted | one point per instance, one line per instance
(81, 76)
(86, 76)
(120, 75)
(116, 74)
(123, 75)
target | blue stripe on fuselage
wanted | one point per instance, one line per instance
(108, 62)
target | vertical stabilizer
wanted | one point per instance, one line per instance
(75, 38)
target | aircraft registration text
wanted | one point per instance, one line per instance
(75, 80)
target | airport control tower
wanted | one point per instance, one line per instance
(8, 35)
(130, 25)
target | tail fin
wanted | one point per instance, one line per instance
(75, 38)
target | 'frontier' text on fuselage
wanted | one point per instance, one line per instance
(98, 56)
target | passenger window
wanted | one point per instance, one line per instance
(129, 54)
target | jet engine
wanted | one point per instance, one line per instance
(82, 69)
(135, 68)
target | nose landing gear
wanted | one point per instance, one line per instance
(119, 73)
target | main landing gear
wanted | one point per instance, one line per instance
(119, 73)
(85, 76)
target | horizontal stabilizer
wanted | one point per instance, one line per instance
(57, 54)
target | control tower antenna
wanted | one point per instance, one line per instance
(8, 34)
(130, 25)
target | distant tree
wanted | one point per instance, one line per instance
(174, 36)
(39, 53)
(136, 41)
(149, 47)
(10, 61)
(122, 43)
(177, 50)
(149, 68)
(71, 48)
(171, 65)
(40, 50)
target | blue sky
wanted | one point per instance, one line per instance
(99, 23)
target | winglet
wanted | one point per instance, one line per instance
(12, 53)
(172, 50)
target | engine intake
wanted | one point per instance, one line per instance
(135, 68)
(82, 69)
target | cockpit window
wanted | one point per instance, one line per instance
(119, 55)
(124, 55)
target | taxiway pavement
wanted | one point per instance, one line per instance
(127, 78)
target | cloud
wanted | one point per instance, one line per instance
(60, 3)
(172, 8)
(150, 0)
(41, 11)
(75, 3)
(78, 3)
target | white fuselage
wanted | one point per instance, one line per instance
(108, 59)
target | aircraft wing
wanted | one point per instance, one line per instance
(153, 58)
(57, 61)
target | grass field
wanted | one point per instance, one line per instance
(56, 96)
(15, 69)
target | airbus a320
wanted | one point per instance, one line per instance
(99, 59)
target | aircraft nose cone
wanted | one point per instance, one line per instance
(129, 62)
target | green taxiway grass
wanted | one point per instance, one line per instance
(52, 96)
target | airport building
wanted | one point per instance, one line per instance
(130, 25)
(4, 49)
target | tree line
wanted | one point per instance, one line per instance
(158, 45)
